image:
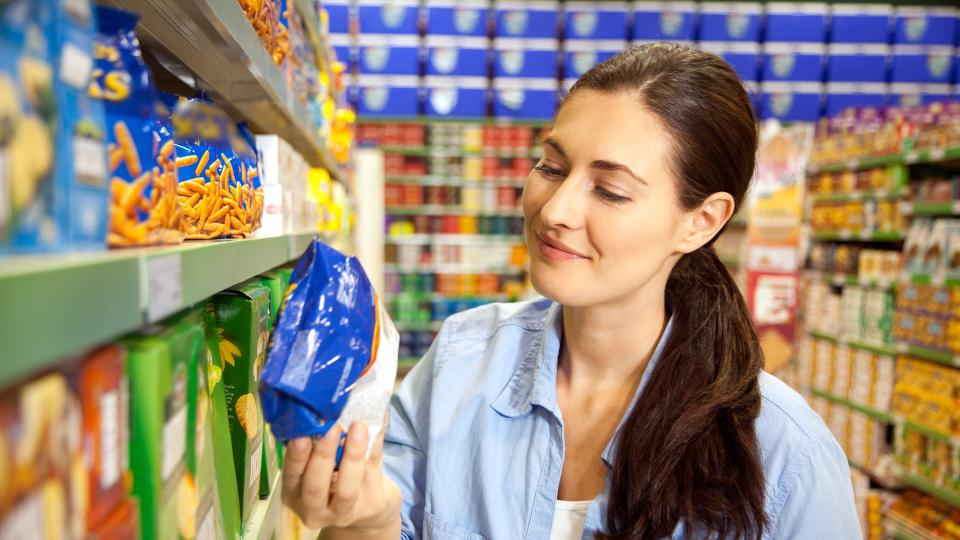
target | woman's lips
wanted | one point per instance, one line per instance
(554, 250)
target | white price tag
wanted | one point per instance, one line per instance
(937, 154)
(75, 66)
(110, 452)
(845, 235)
(164, 286)
(955, 207)
(174, 444)
(89, 161)
(911, 157)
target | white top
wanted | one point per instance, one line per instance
(568, 519)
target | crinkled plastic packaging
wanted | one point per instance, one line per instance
(333, 354)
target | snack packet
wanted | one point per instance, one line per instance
(333, 355)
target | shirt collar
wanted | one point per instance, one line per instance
(534, 382)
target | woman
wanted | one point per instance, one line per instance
(631, 403)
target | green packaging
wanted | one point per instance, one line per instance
(272, 452)
(243, 322)
(157, 363)
(220, 442)
(272, 281)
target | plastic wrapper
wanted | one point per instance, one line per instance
(333, 355)
(141, 158)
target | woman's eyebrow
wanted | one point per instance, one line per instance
(613, 166)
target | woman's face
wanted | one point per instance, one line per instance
(601, 211)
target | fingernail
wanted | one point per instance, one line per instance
(299, 445)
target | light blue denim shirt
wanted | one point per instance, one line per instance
(475, 440)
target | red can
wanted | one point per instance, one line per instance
(506, 197)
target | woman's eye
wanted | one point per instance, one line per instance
(610, 196)
(549, 172)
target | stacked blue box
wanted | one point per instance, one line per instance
(922, 64)
(387, 96)
(908, 94)
(469, 18)
(731, 21)
(527, 19)
(843, 95)
(380, 54)
(799, 62)
(743, 56)
(340, 14)
(393, 17)
(858, 62)
(800, 22)
(344, 46)
(455, 97)
(790, 101)
(455, 55)
(664, 21)
(923, 25)
(593, 32)
(527, 99)
(860, 23)
(525, 58)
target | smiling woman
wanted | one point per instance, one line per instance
(631, 402)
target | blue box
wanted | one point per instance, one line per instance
(387, 96)
(922, 64)
(860, 23)
(461, 56)
(841, 96)
(791, 102)
(795, 62)
(455, 97)
(917, 25)
(527, 19)
(595, 20)
(344, 46)
(909, 95)
(339, 15)
(525, 58)
(743, 56)
(578, 57)
(393, 17)
(730, 21)
(388, 55)
(457, 17)
(858, 63)
(796, 22)
(664, 21)
(530, 99)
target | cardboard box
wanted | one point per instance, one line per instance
(525, 58)
(460, 56)
(388, 96)
(731, 21)
(220, 440)
(743, 57)
(860, 23)
(157, 365)
(456, 97)
(388, 54)
(273, 281)
(793, 62)
(857, 63)
(526, 19)
(457, 17)
(842, 96)
(243, 325)
(666, 21)
(798, 102)
(395, 17)
(524, 98)
(340, 15)
(922, 64)
(796, 22)
(925, 25)
(595, 20)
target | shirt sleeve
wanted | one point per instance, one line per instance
(405, 442)
(818, 501)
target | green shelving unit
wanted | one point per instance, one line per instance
(841, 279)
(883, 350)
(934, 209)
(932, 355)
(856, 196)
(945, 494)
(437, 210)
(879, 236)
(451, 151)
(455, 239)
(924, 156)
(927, 279)
(926, 431)
(58, 306)
(867, 410)
(427, 297)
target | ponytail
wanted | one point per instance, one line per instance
(688, 450)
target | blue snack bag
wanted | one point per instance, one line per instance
(333, 354)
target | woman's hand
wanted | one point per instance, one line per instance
(357, 497)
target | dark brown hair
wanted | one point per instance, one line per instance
(688, 450)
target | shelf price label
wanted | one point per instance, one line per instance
(164, 286)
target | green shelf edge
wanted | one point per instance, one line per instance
(427, 210)
(932, 355)
(926, 431)
(869, 411)
(486, 121)
(926, 279)
(57, 307)
(407, 361)
(931, 209)
(446, 181)
(876, 349)
(909, 157)
(861, 196)
(875, 237)
(416, 326)
(447, 151)
(946, 495)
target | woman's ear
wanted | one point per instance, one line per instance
(705, 221)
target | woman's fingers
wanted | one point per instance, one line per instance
(315, 482)
(295, 461)
(351, 472)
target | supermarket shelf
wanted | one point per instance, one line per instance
(437, 210)
(454, 269)
(447, 181)
(456, 239)
(880, 236)
(869, 411)
(839, 279)
(927, 279)
(212, 40)
(57, 306)
(452, 151)
(902, 528)
(926, 431)
(486, 121)
(428, 297)
(856, 196)
(883, 350)
(932, 156)
(264, 516)
(926, 156)
(418, 326)
(945, 494)
(930, 209)
(933, 355)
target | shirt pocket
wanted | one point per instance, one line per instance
(435, 528)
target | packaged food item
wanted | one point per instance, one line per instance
(157, 366)
(243, 325)
(122, 524)
(141, 158)
(264, 16)
(217, 185)
(348, 375)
